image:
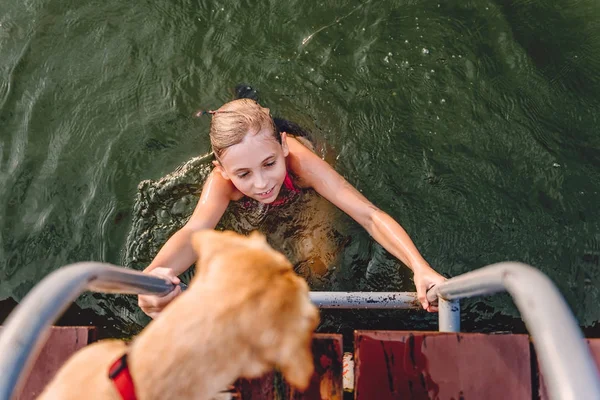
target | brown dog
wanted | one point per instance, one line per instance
(244, 313)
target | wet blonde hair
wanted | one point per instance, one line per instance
(234, 120)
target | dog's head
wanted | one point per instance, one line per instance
(267, 302)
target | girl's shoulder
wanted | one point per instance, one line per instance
(301, 161)
(295, 162)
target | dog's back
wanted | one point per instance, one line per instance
(85, 368)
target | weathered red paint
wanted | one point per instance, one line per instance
(255, 389)
(62, 343)
(433, 365)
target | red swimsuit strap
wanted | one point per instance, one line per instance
(289, 184)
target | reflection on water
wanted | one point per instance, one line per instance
(473, 124)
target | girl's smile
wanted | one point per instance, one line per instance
(266, 195)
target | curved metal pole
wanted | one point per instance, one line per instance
(27, 327)
(565, 359)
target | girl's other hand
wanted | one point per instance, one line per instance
(425, 278)
(152, 305)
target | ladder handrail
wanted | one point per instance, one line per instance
(27, 327)
(565, 358)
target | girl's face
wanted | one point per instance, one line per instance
(256, 166)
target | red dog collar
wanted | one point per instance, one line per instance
(119, 374)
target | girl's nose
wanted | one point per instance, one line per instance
(260, 182)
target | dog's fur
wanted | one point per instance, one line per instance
(244, 313)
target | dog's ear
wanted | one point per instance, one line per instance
(299, 372)
(294, 353)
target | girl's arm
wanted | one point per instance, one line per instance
(315, 172)
(177, 254)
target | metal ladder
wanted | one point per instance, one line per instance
(564, 357)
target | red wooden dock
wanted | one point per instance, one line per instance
(387, 365)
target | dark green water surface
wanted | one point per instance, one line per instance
(473, 123)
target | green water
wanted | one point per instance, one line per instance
(473, 123)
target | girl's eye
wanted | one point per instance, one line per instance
(243, 175)
(270, 164)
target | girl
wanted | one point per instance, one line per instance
(256, 163)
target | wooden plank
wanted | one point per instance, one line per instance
(62, 343)
(433, 365)
(594, 348)
(325, 384)
(255, 389)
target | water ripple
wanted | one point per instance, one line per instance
(472, 123)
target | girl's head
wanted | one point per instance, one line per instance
(249, 149)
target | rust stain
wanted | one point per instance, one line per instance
(411, 348)
(415, 303)
(389, 368)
